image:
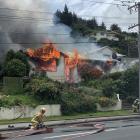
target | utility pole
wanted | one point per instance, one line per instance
(135, 7)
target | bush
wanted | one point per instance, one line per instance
(109, 88)
(13, 85)
(19, 55)
(77, 103)
(106, 102)
(115, 76)
(44, 90)
(8, 102)
(15, 68)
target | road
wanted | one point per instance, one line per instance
(115, 130)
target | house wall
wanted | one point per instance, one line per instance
(59, 75)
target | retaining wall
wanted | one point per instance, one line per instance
(26, 112)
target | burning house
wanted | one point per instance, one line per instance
(71, 67)
(54, 63)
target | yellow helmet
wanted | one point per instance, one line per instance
(43, 110)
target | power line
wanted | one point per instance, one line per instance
(43, 33)
(36, 43)
(44, 19)
(107, 17)
(6, 18)
(25, 18)
(11, 19)
(21, 10)
(99, 2)
(44, 12)
(121, 23)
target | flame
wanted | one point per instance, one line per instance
(45, 56)
(70, 64)
(47, 52)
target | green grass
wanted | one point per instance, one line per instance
(75, 116)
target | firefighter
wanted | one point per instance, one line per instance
(37, 120)
(135, 105)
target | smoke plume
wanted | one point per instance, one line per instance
(28, 23)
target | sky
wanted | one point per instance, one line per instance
(101, 9)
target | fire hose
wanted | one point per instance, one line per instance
(99, 128)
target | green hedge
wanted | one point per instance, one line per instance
(77, 103)
(13, 85)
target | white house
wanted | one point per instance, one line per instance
(104, 34)
(104, 53)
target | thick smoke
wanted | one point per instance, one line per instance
(32, 22)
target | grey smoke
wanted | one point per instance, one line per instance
(29, 23)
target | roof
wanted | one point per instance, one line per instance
(106, 47)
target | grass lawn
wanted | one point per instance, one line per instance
(75, 116)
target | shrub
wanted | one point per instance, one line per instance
(77, 103)
(44, 90)
(109, 88)
(115, 76)
(15, 68)
(8, 102)
(106, 102)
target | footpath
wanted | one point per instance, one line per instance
(20, 126)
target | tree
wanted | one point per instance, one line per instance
(92, 23)
(131, 80)
(20, 56)
(74, 18)
(15, 68)
(115, 28)
(66, 10)
(9, 56)
(65, 16)
(103, 27)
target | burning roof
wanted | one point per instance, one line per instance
(47, 52)
(45, 57)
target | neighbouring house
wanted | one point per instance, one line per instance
(103, 34)
(104, 58)
(104, 54)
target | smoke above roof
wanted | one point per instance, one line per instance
(29, 23)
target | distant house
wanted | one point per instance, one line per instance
(104, 34)
(105, 53)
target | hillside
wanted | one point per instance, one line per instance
(124, 42)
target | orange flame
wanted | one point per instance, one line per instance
(70, 65)
(46, 56)
(47, 52)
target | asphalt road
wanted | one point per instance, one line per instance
(115, 130)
